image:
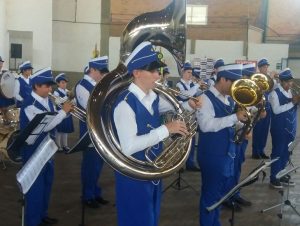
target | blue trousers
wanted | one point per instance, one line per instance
(215, 174)
(91, 168)
(279, 149)
(38, 196)
(260, 134)
(138, 202)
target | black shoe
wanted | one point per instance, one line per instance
(60, 150)
(92, 203)
(49, 220)
(228, 205)
(102, 201)
(286, 181)
(264, 156)
(66, 149)
(276, 184)
(254, 156)
(242, 201)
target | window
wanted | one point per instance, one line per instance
(196, 14)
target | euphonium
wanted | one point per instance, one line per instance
(165, 28)
(245, 93)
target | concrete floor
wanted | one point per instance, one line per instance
(179, 207)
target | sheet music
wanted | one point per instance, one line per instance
(39, 129)
(32, 168)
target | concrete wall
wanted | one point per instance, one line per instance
(4, 51)
(76, 31)
(34, 16)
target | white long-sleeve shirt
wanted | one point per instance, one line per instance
(125, 122)
(274, 101)
(206, 114)
(82, 93)
(31, 111)
(191, 91)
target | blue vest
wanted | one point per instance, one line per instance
(89, 87)
(25, 90)
(144, 120)
(285, 122)
(185, 88)
(24, 121)
(61, 94)
(221, 142)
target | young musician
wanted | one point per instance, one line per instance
(218, 63)
(66, 126)
(22, 86)
(216, 148)
(283, 125)
(261, 129)
(92, 163)
(138, 125)
(37, 198)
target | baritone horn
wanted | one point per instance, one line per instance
(165, 28)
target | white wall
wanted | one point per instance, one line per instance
(273, 52)
(74, 39)
(3, 34)
(35, 16)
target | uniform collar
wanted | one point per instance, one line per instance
(216, 92)
(24, 78)
(186, 82)
(89, 79)
(62, 90)
(288, 93)
(41, 100)
(139, 93)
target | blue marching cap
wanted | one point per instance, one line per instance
(196, 72)
(86, 70)
(143, 57)
(219, 63)
(61, 77)
(248, 69)
(231, 71)
(99, 63)
(262, 62)
(187, 66)
(43, 76)
(286, 74)
(25, 65)
(1, 59)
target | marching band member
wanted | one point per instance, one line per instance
(66, 126)
(92, 163)
(23, 87)
(218, 63)
(165, 76)
(37, 198)
(188, 87)
(216, 148)
(261, 129)
(283, 125)
(138, 125)
(4, 102)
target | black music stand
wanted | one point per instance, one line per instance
(177, 183)
(250, 179)
(284, 200)
(81, 145)
(291, 147)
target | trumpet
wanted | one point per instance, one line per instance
(77, 112)
(175, 92)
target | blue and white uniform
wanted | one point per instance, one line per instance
(38, 196)
(283, 127)
(216, 148)
(23, 87)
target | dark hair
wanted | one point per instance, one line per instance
(226, 79)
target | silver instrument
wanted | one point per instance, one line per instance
(165, 28)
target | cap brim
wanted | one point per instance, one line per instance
(153, 65)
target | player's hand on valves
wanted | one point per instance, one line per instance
(196, 102)
(263, 114)
(242, 115)
(68, 106)
(177, 127)
(296, 99)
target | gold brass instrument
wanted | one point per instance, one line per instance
(175, 92)
(76, 112)
(165, 28)
(245, 93)
(264, 84)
